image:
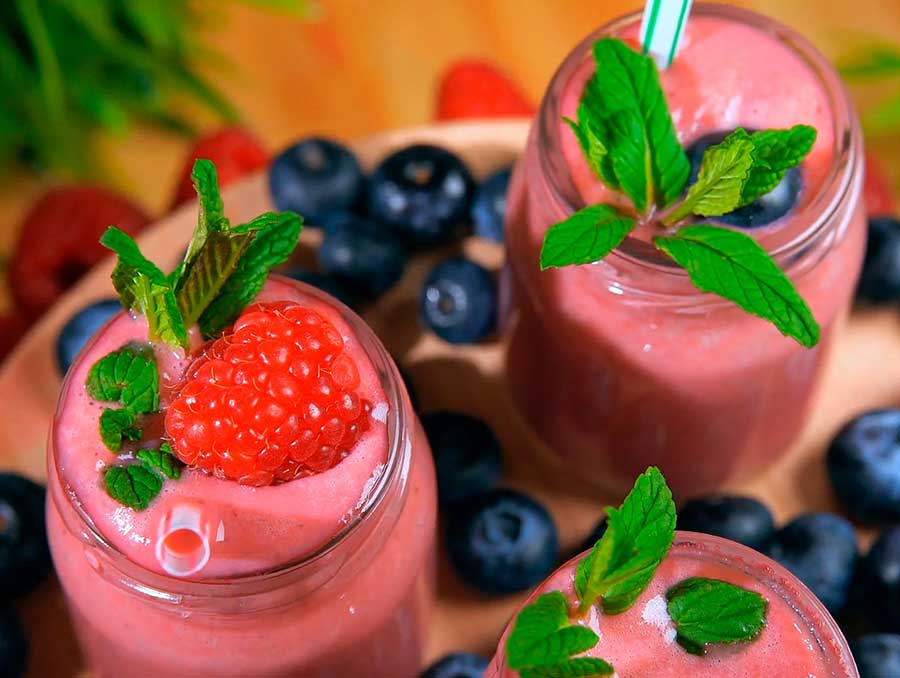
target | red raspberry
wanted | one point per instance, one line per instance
(60, 241)
(273, 400)
(475, 89)
(236, 153)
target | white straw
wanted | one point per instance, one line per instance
(662, 27)
(191, 521)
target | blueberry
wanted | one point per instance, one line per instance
(24, 553)
(459, 301)
(880, 278)
(879, 581)
(316, 178)
(863, 463)
(489, 207)
(595, 535)
(13, 644)
(466, 455)
(502, 541)
(370, 263)
(877, 655)
(80, 328)
(820, 550)
(457, 665)
(764, 210)
(741, 519)
(328, 283)
(423, 192)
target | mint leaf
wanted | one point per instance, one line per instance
(128, 376)
(707, 611)
(638, 536)
(775, 152)
(116, 426)
(133, 485)
(585, 237)
(590, 140)
(144, 288)
(626, 84)
(734, 266)
(542, 635)
(161, 459)
(724, 170)
(580, 667)
(275, 238)
(629, 157)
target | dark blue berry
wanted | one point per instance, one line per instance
(317, 178)
(466, 455)
(13, 644)
(459, 301)
(880, 278)
(595, 535)
(24, 552)
(877, 655)
(458, 665)
(764, 210)
(741, 519)
(863, 463)
(423, 192)
(879, 581)
(330, 284)
(820, 550)
(489, 207)
(502, 542)
(371, 263)
(80, 328)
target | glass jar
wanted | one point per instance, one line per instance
(623, 364)
(800, 637)
(358, 605)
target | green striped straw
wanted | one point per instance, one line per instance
(661, 28)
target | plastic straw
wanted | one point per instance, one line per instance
(662, 27)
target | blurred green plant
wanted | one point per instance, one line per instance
(879, 63)
(72, 68)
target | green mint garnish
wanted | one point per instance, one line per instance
(733, 265)
(224, 267)
(587, 236)
(579, 667)
(128, 376)
(638, 536)
(710, 611)
(544, 637)
(161, 459)
(628, 139)
(117, 426)
(133, 485)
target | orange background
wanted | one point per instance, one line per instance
(363, 67)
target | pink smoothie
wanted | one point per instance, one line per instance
(800, 638)
(312, 559)
(623, 364)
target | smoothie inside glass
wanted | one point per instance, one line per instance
(292, 579)
(800, 638)
(623, 364)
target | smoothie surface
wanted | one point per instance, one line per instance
(254, 529)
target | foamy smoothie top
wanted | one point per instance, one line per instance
(230, 423)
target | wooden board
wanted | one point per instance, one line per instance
(863, 372)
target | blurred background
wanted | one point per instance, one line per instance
(118, 93)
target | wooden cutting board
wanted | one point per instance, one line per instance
(863, 372)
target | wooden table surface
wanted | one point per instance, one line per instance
(364, 67)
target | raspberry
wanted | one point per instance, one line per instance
(477, 89)
(272, 400)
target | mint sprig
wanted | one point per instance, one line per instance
(224, 267)
(628, 139)
(128, 376)
(711, 611)
(638, 536)
(117, 426)
(735, 266)
(133, 485)
(161, 459)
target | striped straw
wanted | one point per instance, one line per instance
(661, 28)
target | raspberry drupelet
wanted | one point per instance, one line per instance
(272, 400)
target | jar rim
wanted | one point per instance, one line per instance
(844, 177)
(163, 587)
